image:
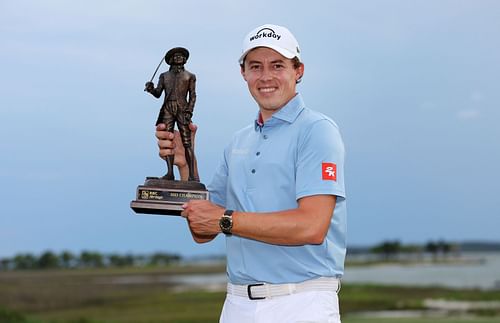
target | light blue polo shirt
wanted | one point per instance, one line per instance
(296, 153)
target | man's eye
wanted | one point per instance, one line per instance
(254, 67)
(278, 66)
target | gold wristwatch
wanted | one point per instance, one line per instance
(226, 222)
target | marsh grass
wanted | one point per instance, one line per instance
(90, 296)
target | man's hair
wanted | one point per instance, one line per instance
(295, 62)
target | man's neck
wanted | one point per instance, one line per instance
(265, 114)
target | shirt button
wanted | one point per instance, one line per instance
(253, 171)
(257, 153)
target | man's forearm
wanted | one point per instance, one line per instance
(307, 224)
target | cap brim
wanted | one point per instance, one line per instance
(282, 51)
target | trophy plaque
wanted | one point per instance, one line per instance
(165, 195)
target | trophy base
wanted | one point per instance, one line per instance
(165, 197)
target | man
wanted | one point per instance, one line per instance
(278, 195)
(178, 84)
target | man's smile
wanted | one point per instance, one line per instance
(267, 89)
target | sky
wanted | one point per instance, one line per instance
(413, 85)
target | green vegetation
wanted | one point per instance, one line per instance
(86, 259)
(386, 251)
(357, 298)
(389, 250)
(419, 320)
(116, 295)
(110, 288)
(105, 295)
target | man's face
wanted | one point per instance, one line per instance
(271, 79)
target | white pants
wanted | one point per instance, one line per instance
(305, 307)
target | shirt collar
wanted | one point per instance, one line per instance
(288, 113)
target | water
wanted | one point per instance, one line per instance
(480, 271)
(483, 271)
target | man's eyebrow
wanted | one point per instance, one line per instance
(272, 62)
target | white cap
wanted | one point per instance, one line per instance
(272, 36)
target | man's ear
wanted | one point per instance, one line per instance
(299, 72)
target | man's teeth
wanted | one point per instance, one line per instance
(267, 89)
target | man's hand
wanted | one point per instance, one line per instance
(171, 144)
(203, 217)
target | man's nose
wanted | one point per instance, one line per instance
(266, 74)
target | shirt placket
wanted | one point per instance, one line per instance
(256, 154)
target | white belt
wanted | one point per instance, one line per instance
(264, 290)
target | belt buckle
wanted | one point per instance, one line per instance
(249, 291)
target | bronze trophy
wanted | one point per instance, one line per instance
(165, 195)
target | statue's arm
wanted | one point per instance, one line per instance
(156, 91)
(192, 92)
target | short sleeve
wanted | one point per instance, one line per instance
(320, 160)
(218, 185)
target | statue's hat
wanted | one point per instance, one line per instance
(174, 50)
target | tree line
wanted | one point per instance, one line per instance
(392, 249)
(386, 250)
(86, 259)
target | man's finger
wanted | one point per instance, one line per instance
(164, 135)
(168, 144)
(184, 212)
(161, 127)
(166, 152)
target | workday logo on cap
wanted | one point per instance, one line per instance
(265, 32)
(272, 36)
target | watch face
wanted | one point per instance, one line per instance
(226, 224)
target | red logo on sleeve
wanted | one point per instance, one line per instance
(329, 171)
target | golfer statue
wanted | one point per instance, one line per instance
(178, 105)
